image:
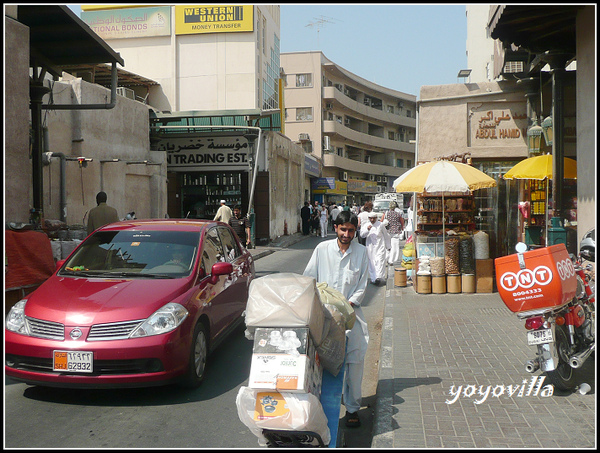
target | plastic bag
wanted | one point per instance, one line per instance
(285, 300)
(333, 297)
(260, 410)
(332, 350)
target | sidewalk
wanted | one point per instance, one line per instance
(279, 243)
(431, 344)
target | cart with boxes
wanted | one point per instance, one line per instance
(294, 390)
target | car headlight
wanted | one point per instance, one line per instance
(163, 320)
(15, 320)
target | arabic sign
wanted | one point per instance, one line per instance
(191, 19)
(498, 124)
(129, 22)
(216, 153)
(323, 183)
(359, 185)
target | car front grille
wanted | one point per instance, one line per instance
(101, 367)
(112, 331)
(46, 329)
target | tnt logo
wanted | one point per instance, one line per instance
(526, 278)
(565, 269)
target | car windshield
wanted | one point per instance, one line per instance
(142, 254)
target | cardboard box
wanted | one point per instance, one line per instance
(484, 276)
(285, 359)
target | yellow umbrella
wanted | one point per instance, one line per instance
(442, 176)
(540, 167)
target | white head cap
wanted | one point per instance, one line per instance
(223, 202)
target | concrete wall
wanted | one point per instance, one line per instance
(102, 135)
(285, 163)
(17, 164)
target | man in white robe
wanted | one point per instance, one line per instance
(378, 242)
(343, 264)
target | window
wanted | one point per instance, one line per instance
(400, 163)
(390, 109)
(230, 246)
(304, 114)
(304, 80)
(390, 135)
(408, 163)
(213, 251)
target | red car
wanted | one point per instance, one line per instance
(138, 303)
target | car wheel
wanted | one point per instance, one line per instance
(198, 357)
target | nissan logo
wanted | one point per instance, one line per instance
(75, 333)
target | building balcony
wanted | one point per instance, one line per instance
(343, 104)
(345, 164)
(362, 140)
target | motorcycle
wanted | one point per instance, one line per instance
(554, 293)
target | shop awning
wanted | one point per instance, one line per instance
(536, 27)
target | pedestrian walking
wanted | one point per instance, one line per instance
(344, 266)
(334, 213)
(324, 216)
(395, 226)
(224, 212)
(378, 242)
(305, 216)
(102, 214)
(363, 219)
(240, 226)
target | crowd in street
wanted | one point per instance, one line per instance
(381, 237)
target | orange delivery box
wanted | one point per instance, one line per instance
(541, 278)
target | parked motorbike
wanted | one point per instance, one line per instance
(554, 293)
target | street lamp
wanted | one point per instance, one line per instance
(547, 129)
(534, 138)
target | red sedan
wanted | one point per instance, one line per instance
(138, 303)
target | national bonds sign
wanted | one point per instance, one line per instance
(192, 19)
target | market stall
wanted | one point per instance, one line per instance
(445, 199)
(536, 174)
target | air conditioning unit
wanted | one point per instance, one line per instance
(326, 143)
(343, 176)
(127, 92)
(328, 105)
(371, 177)
(303, 137)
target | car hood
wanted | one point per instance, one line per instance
(87, 301)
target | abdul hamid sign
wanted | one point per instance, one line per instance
(500, 124)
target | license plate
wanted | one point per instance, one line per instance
(539, 337)
(74, 361)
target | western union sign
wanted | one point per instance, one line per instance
(213, 19)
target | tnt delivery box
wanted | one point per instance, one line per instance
(285, 359)
(540, 278)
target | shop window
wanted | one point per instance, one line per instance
(304, 114)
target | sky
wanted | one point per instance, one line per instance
(397, 46)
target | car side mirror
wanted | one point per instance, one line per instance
(218, 269)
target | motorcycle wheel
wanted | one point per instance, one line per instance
(563, 377)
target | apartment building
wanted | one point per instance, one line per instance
(362, 133)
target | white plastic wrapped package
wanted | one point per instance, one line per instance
(260, 410)
(285, 300)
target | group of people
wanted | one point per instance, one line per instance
(319, 218)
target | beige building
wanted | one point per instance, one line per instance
(203, 57)
(362, 133)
